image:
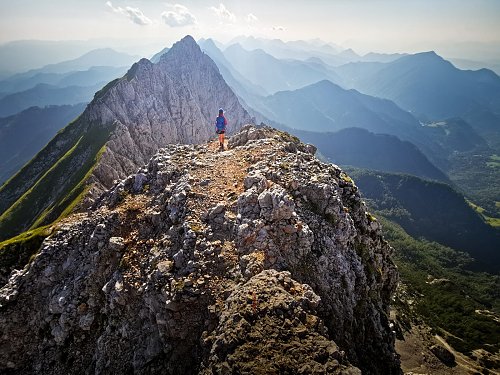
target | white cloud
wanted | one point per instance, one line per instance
(178, 16)
(252, 18)
(278, 28)
(223, 13)
(135, 14)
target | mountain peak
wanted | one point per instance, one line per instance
(324, 84)
(208, 42)
(349, 53)
(427, 56)
(186, 44)
(172, 101)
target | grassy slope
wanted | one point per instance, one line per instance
(451, 305)
(59, 185)
(434, 211)
(18, 184)
(16, 252)
(477, 173)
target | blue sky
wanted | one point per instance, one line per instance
(457, 27)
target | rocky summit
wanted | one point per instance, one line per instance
(175, 100)
(257, 260)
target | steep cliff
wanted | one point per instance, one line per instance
(173, 101)
(259, 259)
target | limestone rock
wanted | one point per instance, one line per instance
(272, 308)
(173, 101)
(273, 266)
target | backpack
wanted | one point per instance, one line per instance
(220, 123)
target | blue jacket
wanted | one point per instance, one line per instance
(220, 123)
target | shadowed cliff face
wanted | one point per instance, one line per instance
(173, 101)
(259, 259)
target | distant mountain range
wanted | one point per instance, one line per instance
(238, 82)
(24, 134)
(382, 152)
(326, 107)
(97, 57)
(331, 54)
(431, 210)
(68, 82)
(88, 77)
(173, 101)
(431, 88)
(275, 74)
(42, 95)
(24, 55)
(469, 64)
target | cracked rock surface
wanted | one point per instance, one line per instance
(256, 260)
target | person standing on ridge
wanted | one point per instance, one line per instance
(220, 127)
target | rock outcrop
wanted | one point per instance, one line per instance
(173, 101)
(259, 259)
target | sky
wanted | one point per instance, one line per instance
(458, 28)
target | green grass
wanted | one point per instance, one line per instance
(448, 306)
(99, 94)
(17, 251)
(494, 161)
(25, 178)
(493, 221)
(59, 187)
(8, 214)
(477, 174)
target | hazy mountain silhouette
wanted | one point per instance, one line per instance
(156, 57)
(434, 211)
(22, 55)
(360, 148)
(431, 88)
(88, 77)
(97, 57)
(325, 106)
(274, 74)
(233, 77)
(299, 49)
(42, 95)
(26, 133)
(331, 54)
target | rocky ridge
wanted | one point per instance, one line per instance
(259, 259)
(174, 100)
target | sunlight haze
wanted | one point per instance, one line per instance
(465, 29)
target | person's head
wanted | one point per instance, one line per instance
(221, 111)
